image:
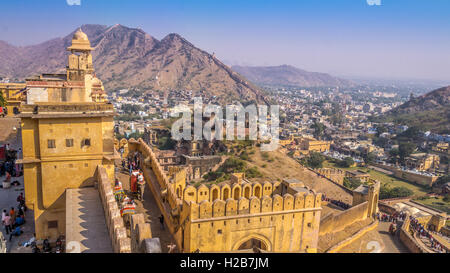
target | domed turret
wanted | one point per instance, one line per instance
(80, 42)
(80, 35)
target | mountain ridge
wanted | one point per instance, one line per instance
(430, 111)
(288, 75)
(130, 58)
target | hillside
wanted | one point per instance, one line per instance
(276, 166)
(286, 75)
(127, 57)
(431, 111)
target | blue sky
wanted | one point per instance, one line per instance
(399, 39)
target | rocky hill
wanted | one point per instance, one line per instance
(127, 57)
(431, 111)
(286, 75)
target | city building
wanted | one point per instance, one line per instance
(67, 131)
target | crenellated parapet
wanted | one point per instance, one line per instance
(335, 175)
(150, 160)
(225, 191)
(253, 206)
(114, 222)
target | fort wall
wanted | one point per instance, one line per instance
(335, 222)
(114, 222)
(339, 246)
(224, 217)
(281, 223)
(335, 175)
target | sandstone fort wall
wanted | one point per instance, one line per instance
(335, 222)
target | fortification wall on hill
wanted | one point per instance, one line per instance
(335, 222)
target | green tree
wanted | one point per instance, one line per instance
(370, 157)
(319, 129)
(387, 192)
(2, 100)
(405, 149)
(381, 129)
(351, 182)
(166, 143)
(412, 133)
(346, 163)
(315, 160)
(131, 108)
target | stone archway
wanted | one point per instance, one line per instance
(252, 241)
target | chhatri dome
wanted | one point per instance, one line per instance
(80, 42)
(80, 35)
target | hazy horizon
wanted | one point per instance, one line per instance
(401, 39)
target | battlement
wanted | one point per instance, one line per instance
(253, 206)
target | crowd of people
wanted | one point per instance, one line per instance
(415, 226)
(8, 166)
(394, 218)
(338, 203)
(420, 230)
(13, 219)
(137, 182)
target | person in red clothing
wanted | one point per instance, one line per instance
(133, 181)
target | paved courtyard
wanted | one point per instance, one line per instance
(8, 196)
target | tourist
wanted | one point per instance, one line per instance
(19, 221)
(141, 184)
(161, 220)
(2, 169)
(17, 232)
(8, 177)
(13, 215)
(118, 183)
(8, 223)
(21, 199)
(29, 242)
(3, 216)
(133, 182)
(46, 246)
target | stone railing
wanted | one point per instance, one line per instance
(114, 222)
